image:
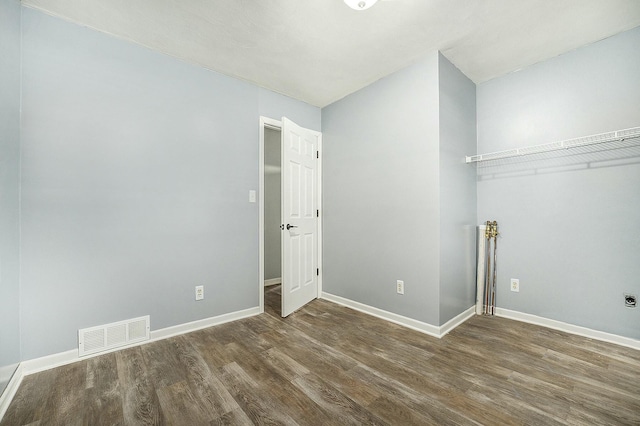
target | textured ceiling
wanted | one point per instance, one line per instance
(320, 51)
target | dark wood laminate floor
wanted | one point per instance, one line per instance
(327, 364)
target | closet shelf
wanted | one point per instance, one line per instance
(602, 138)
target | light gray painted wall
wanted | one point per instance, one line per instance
(135, 179)
(272, 206)
(9, 188)
(276, 106)
(380, 185)
(457, 191)
(570, 233)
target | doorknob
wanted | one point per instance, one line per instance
(290, 226)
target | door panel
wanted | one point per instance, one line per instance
(300, 202)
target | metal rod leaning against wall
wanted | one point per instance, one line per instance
(491, 233)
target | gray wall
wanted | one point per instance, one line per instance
(380, 185)
(399, 201)
(276, 106)
(272, 205)
(136, 170)
(9, 188)
(457, 190)
(570, 228)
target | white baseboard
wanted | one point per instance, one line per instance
(176, 330)
(457, 320)
(569, 328)
(442, 330)
(63, 358)
(10, 391)
(48, 362)
(423, 327)
(272, 281)
(6, 372)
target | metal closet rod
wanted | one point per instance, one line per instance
(618, 135)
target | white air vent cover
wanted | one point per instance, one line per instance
(109, 336)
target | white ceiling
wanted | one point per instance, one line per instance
(319, 51)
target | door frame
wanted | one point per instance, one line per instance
(270, 123)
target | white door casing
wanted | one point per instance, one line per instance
(299, 216)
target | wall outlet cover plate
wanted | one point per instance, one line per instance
(515, 285)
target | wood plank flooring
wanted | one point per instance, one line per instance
(329, 365)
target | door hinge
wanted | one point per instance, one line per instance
(317, 154)
(317, 213)
(317, 271)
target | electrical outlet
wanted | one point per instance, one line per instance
(400, 287)
(199, 292)
(515, 284)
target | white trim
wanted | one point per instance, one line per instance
(63, 358)
(270, 123)
(10, 391)
(319, 207)
(457, 320)
(272, 281)
(423, 327)
(59, 359)
(188, 327)
(569, 328)
(6, 372)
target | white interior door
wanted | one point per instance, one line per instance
(299, 216)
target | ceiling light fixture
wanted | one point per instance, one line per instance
(360, 4)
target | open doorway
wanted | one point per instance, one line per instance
(290, 227)
(272, 219)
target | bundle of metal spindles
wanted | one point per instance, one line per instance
(491, 233)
